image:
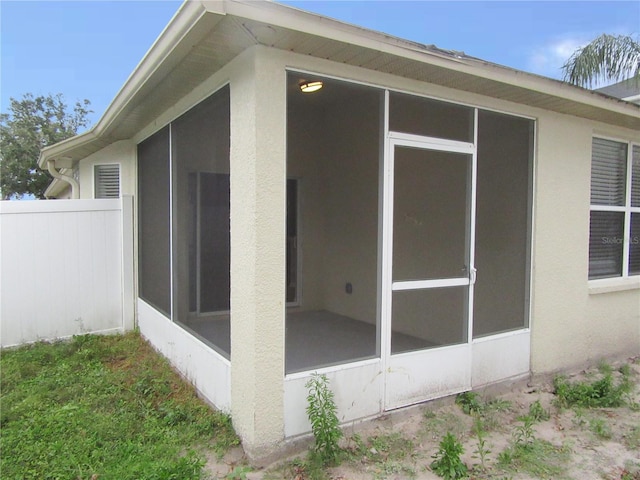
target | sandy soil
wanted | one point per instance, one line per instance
(602, 443)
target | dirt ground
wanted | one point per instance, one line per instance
(572, 443)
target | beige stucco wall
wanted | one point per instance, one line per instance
(572, 325)
(258, 189)
(122, 153)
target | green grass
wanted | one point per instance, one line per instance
(436, 425)
(487, 409)
(632, 438)
(386, 455)
(310, 468)
(105, 407)
(538, 458)
(600, 428)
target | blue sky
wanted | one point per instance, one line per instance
(87, 49)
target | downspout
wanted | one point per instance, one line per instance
(75, 188)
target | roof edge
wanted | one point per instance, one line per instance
(187, 16)
(196, 16)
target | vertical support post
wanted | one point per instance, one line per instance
(258, 195)
(128, 281)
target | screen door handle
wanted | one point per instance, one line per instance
(473, 275)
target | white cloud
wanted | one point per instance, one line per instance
(548, 59)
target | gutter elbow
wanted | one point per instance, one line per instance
(75, 187)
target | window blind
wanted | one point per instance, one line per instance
(608, 172)
(635, 177)
(634, 245)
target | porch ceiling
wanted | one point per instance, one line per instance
(205, 36)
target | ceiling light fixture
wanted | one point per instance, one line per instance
(309, 87)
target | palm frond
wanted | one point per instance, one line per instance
(607, 58)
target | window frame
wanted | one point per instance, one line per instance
(625, 209)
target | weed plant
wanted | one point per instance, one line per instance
(102, 407)
(470, 402)
(310, 468)
(625, 370)
(539, 458)
(600, 428)
(631, 471)
(523, 435)
(322, 412)
(632, 438)
(435, 426)
(238, 473)
(385, 455)
(482, 448)
(447, 462)
(538, 413)
(529, 454)
(603, 392)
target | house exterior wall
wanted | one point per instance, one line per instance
(255, 384)
(122, 153)
(571, 322)
(65, 193)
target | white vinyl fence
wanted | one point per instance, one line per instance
(66, 268)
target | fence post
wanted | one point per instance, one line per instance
(128, 283)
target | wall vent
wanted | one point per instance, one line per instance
(107, 181)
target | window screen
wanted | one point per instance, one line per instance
(430, 118)
(106, 181)
(154, 232)
(201, 207)
(503, 210)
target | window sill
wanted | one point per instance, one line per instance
(608, 285)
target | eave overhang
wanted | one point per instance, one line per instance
(203, 36)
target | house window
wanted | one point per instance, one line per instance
(107, 181)
(614, 232)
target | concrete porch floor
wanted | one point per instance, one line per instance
(314, 339)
